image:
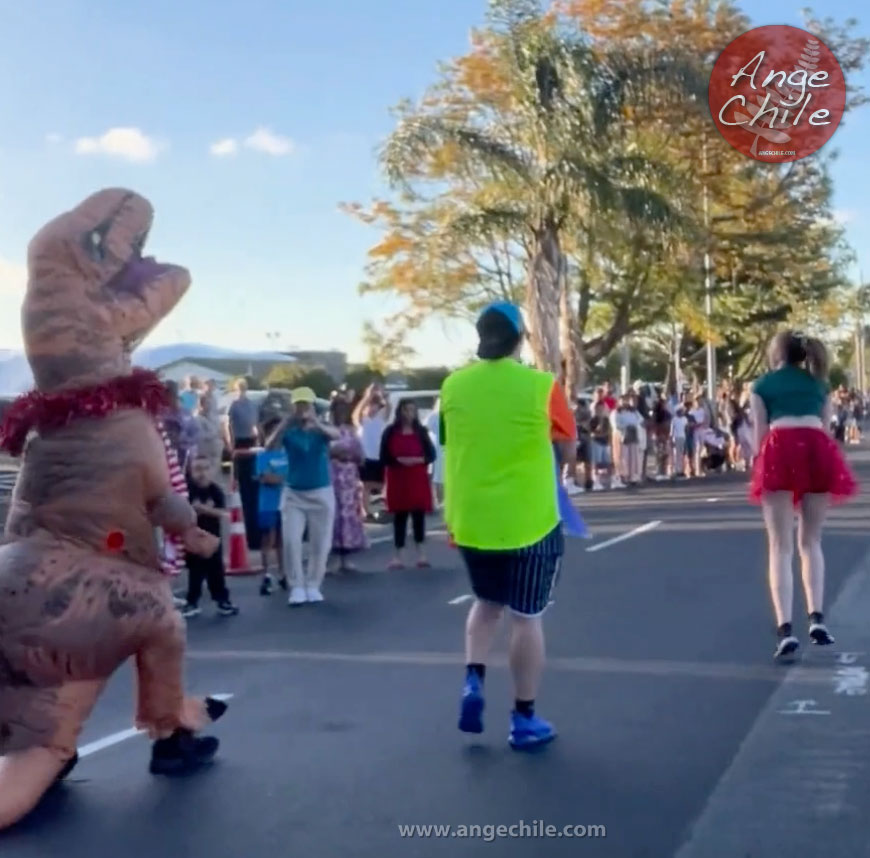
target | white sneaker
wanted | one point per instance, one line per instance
(597, 487)
(617, 483)
(298, 596)
(314, 595)
(572, 489)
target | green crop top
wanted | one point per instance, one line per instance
(791, 392)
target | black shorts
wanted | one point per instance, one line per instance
(522, 580)
(371, 471)
(584, 450)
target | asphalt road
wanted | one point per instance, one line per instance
(342, 725)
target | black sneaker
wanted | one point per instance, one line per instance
(820, 635)
(181, 753)
(227, 609)
(282, 583)
(788, 643)
(267, 586)
(190, 611)
(786, 647)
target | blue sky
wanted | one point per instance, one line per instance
(302, 91)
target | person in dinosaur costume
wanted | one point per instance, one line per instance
(81, 584)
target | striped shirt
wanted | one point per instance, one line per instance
(173, 558)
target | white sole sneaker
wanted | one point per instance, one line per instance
(298, 596)
(787, 647)
(314, 595)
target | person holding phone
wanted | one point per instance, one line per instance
(309, 499)
(371, 417)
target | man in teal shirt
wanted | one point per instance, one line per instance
(309, 498)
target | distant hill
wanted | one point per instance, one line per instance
(16, 378)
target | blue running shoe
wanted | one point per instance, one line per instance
(529, 731)
(471, 710)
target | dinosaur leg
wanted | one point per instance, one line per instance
(163, 707)
(26, 775)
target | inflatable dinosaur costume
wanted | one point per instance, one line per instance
(81, 587)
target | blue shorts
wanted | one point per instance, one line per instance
(600, 454)
(269, 520)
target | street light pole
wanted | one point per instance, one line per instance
(708, 284)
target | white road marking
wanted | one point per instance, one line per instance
(460, 599)
(124, 735)
(644, 528)
(712, 500)
(803, 707)
(114, 739)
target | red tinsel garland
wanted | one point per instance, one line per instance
(40, 412)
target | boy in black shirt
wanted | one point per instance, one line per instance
(208, 500)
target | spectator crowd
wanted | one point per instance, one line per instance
(311, 474)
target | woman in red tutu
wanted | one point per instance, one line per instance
(799, 467)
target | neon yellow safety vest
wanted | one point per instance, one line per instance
(500, 476)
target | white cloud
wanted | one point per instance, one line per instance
(224, 148)
(130, 144)
(264, 140)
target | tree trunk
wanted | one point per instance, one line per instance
(569, 336)
(543, 300)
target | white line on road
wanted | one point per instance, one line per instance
(460, 599)
(114, 739)
(644, 528)
(712, 500)
(123, 735)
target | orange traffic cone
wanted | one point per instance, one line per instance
(239, 562)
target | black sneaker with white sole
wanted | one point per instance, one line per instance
(819, 633)
(266, 586)
(786, 647)
(190, 611)
(227, 609)
(788, 644)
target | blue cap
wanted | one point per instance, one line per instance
(510, 311)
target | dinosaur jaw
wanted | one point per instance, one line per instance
(144, 292)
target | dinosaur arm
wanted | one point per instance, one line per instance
(172, 513)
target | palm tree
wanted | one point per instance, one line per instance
(551, 155)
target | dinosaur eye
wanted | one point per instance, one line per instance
(95, 244)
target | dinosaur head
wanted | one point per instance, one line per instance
(91, 295)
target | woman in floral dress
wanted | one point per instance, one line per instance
(347, 456)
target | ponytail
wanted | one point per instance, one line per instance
(817, 362)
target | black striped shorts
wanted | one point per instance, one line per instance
(523, 580)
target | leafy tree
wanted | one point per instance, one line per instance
(427, 378)
(360, 376)
(564, 162)
(387, 346)
(290, 376)
(519, 145)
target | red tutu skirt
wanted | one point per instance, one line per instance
(801, 461)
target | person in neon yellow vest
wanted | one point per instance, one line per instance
(499, 421)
